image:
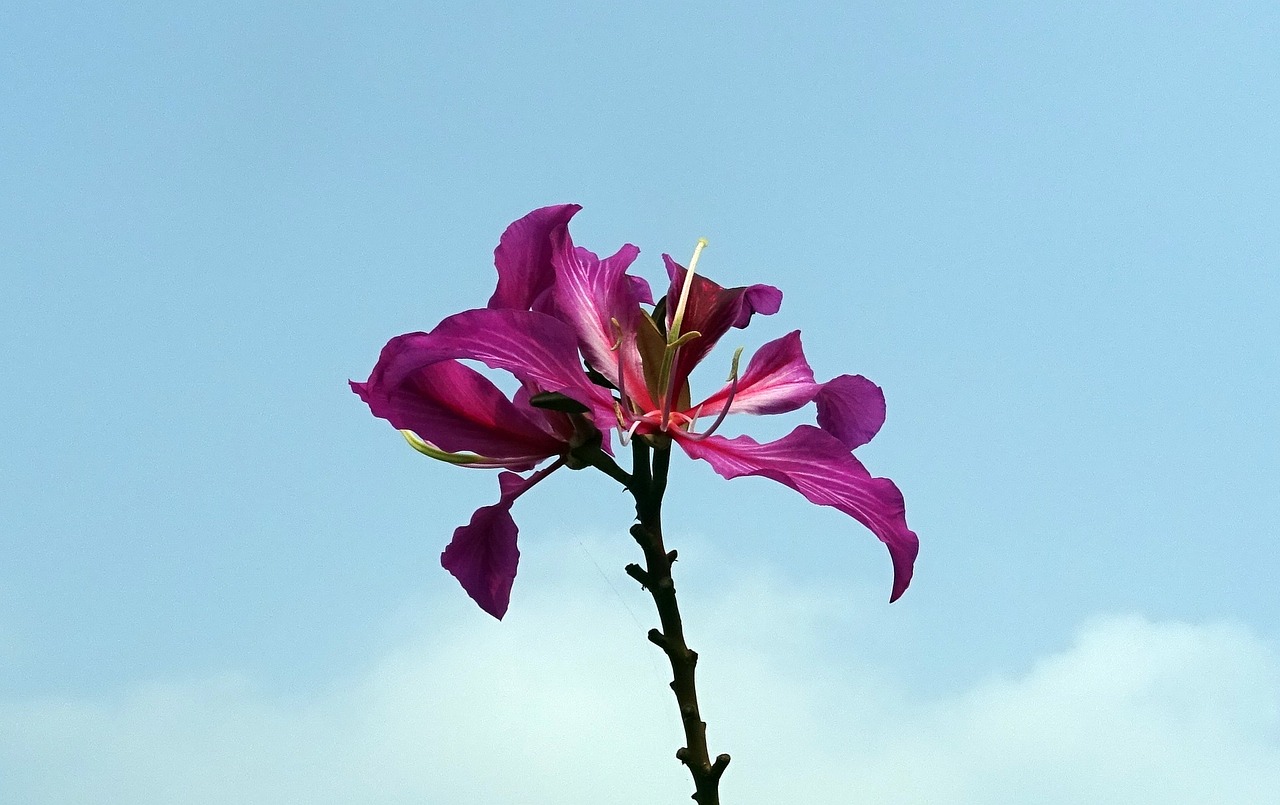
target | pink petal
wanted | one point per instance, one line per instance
(457, 409)
(851, 408)
(483, 554)
(763, 299)
(778, 379)
(820, 467)
(712, 310)
(640, 288)
(590, 295)
(523, 258)
(538, 349)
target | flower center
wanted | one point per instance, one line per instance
(661, 421)
(651, 343)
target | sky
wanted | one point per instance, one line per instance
(1048, 231)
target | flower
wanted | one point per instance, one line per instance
(451, 412)
(557, 305)
(648, 359)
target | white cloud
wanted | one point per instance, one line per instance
(566, 703)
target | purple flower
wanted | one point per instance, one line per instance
(451, 412)
(648, 359)
(557, 305)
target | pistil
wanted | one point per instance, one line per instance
(673, 332)
(674, 337)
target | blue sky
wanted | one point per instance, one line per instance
(1048, 232)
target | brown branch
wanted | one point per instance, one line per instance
(648, 483)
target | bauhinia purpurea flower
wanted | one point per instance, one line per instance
(595, 356)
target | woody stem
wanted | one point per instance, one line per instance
(648, 484)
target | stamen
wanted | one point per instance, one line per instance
(625, 438)
(693, 420)
(617, 334)
(733, 367)
(724, 411)
(617, 348)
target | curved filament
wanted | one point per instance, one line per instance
(724, 410)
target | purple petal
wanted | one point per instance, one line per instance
(820, 467)
(456, 408)
(536, 348)
(640, 289)
(777, 380)
(763, 299)
(483, 554)
(523, 258)
(590, 295)
(711, 310)
(483, 557)
(851, 408)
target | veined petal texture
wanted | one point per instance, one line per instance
(778, 379)
(455, 408)
(536, 348)
(820, 467)
(523, 259)
(483, 554)
(591, 294)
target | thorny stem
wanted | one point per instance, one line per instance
(647, 483)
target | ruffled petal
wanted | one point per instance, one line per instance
(523, 259)
(851, 408)
(763, 299)
(591, 293)
(483, 554)
(777, 380)
(820, 467)
(455, 408)
(711, 310)
(538, 349)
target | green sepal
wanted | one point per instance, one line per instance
(555, 401)
(597, 378)
(659, 316)
(651, 343)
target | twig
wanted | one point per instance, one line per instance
(648, 482)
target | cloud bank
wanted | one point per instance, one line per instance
(565, 703)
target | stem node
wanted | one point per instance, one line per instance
(717, 768)
(636, 572)
(658, 639)
(647, 482)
